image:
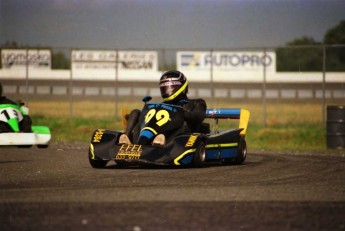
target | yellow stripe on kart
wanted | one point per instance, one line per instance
(221, 145)
(150, 129)
(92, 152)
(176, 161)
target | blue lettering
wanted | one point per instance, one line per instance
(167, 107)
(246, 59)
(255, 60)
(238, 60)
(208, 60)
(235, 62)
(266, 60)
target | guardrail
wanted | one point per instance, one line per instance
(234, 91)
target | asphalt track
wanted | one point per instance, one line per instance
(56, 189)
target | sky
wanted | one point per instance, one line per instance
(170, 24)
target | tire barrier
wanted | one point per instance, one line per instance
(336, 127)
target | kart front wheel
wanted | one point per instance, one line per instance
(200, 155)
(24, 146)
(97, 163)
(42, 146)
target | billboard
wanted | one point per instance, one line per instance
(127, 60)
(226, 65)
(138, 60)
(225, 60)
(89, 60)
(105, 64)
(19, 58)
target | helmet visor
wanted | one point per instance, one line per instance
(169, 88)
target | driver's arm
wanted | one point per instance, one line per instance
(195, 111)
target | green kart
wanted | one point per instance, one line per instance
(14, 132)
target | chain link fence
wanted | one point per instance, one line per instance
(303, 74)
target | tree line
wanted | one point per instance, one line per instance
(306, 54)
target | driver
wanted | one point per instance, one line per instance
(174, 89)
(24, 124)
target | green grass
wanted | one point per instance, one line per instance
(292, 138)
(290, 127)
(72, 129)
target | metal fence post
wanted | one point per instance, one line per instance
(211, 78)
(27, 78)
(163, 64)
(323, 84)
(116, 81)
(264, 112)
(71, 86)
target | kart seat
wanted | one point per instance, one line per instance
(204, 128)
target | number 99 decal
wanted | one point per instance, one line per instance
(161, 116)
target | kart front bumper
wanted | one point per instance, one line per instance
(24, 139)
(40, 136)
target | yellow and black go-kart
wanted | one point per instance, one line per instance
(179, 148)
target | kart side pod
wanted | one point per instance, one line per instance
(228, 145)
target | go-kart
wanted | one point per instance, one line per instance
(11, 133)
(180, 148)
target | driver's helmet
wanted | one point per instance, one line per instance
(173, 86)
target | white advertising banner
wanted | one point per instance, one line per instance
(93, 64)
(226, 65)
(19, 58)
(138, 60)
(101, 64)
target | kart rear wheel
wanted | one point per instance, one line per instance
(241, 153)
(200, 155)
(97, 163)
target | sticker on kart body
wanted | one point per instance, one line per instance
(98, 136)
(129, 151)
(7, 114)
(191, 141)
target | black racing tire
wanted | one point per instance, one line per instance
(24, 146)
(42, 146)
(241, 154)
(120, 164)
(200, 155)
(97, 163)
(5, 127)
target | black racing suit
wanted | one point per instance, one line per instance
(194, 114)
(5, 100)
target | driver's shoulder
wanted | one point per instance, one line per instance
(198, 102)
(5, 100)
